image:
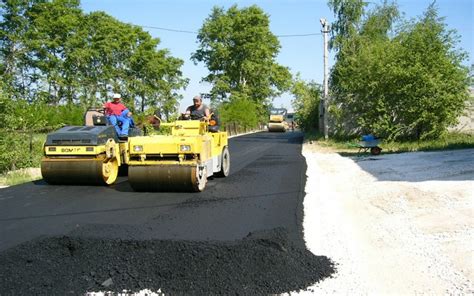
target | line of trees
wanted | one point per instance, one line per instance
(56, 61)
(53, 53)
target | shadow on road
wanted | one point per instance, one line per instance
(446, 165)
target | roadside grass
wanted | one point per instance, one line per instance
(19, 176)
(348, 146)
(20, 157)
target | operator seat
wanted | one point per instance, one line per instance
(213, 126)
(93, 117)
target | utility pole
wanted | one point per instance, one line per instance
(324, 102)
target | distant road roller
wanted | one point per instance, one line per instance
(89, 154)
(277, 121)
(179, 161)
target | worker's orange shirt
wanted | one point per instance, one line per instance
(112, 108)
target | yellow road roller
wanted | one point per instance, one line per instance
(179, 161)
(277, 121)
(89, 154)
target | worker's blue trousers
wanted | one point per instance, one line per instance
(125, 123)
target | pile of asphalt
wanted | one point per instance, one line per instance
(262, 263)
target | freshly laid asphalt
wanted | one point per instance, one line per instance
(242, 235)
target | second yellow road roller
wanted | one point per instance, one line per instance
(179, 161)
(277, 121)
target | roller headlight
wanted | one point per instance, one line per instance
(137, 148)
(184, 148)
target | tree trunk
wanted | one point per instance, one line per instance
(142, 108)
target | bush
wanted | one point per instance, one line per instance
(20, 150)
(23, 116)
(20, 125)
(306, 103)
(240, 111)
(410, 86)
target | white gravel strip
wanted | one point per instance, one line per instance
(394, 224)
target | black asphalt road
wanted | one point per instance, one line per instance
(261, 199)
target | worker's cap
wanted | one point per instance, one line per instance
(197, 98)
(117, 96)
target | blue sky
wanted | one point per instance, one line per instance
(302, 55)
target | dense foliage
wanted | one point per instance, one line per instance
(404, 84)
(239, 51)
(56, 61)
(306, 103)
(52, 52)
(240, 111)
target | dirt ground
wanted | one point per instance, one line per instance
(394, 224)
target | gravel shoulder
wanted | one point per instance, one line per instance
(393, 224)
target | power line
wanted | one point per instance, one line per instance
(171, 30)
(193, 32)
(299, 35)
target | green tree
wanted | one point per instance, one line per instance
(358, 90)
(471, 75)
(153, 74)
(432, 87)
(239, 50)
(409, 86)
(53, 39)
(52, 52)
(96, 59)
(14, 66)
(239, 111)
(306, 103)
(348, 14)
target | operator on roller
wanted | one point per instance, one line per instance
(197, 111)
(117, 112)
